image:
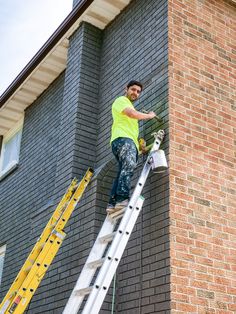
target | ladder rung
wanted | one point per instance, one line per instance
(83, 291)
(107, 238)
(96, 264)
(75, 188)
(28, 268)
(115, 219)
(117, 215)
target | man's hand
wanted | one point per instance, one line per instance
(152, 114)
(155, 116)
(142, 145)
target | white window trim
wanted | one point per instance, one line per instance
(2, 252)
(7, 137)
(3, 249)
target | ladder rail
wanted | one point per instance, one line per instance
(87, 275)
(36, 274)
(134, 202)
(73, 201)
(111, 263)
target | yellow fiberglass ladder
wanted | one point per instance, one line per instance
(45, 249)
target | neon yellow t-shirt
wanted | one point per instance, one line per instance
(123, 126)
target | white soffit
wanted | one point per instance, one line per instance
(99, 13)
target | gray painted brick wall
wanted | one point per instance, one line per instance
(29, 188)
(79, 113)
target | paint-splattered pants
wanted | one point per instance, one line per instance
(126, 154)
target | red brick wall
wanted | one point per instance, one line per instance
(202, 102)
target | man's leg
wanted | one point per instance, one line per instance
(127, 156)
(116, 146)
(112, 199)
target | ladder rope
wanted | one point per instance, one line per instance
(141, 263)
(141, 250)
(113, 294)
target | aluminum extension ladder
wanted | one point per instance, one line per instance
(98, 271)
(45, 249)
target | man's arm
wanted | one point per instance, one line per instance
(134, 114)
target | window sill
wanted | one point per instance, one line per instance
(9, 171)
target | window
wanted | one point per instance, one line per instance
(10, 149)
(2, 255)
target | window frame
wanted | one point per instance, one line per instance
(6, 138)
(2, 252)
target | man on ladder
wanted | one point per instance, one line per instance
(98, 271)
(124, 143)
(95, 278)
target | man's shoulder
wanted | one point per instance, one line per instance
(121, 100)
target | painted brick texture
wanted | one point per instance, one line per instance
(202, 80)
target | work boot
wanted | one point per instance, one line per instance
(110, 209)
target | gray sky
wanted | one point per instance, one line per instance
(25, 25)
